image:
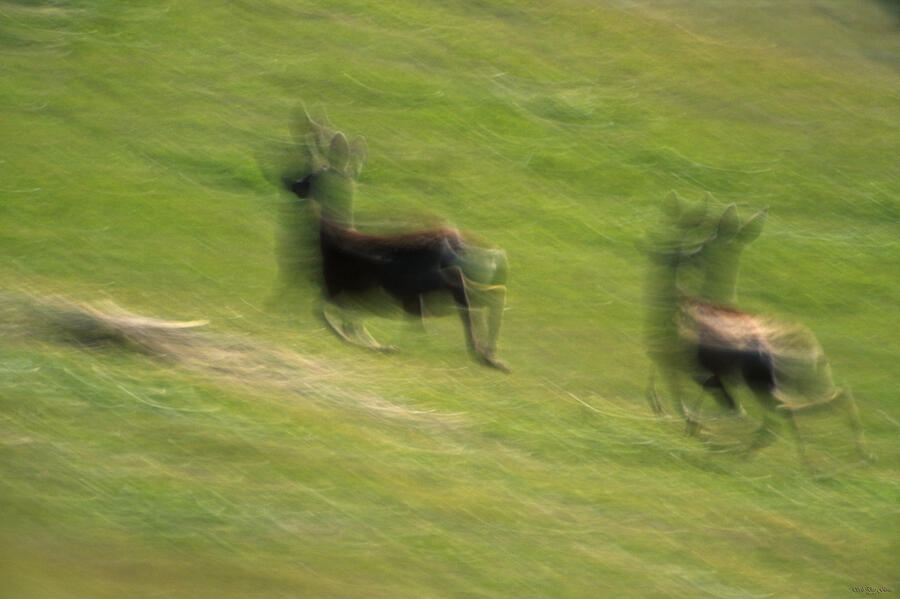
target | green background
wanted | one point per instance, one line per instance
(137, 139)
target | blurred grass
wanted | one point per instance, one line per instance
(130, 171)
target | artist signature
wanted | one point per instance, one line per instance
(870, 590)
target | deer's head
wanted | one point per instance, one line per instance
(680, 233)
(333, 166)
(721, 254)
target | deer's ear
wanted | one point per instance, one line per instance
(339, 152)
(358, 154)
(321, 132)
(301, 124)
(317, 132)
(311, 125)
(729, 224)
(672, 205)
(753, 227)
(692, 216)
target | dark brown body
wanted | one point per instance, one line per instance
(729, 346)
(405, 266)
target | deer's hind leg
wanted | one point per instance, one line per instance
(493, 299)
(845, 396)
(458, 286)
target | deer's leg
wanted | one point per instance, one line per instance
(652, 395)
(422, 311)
(671, 383)
(673, 379)
(493, 298)
(765, 434)
(495, 315)
(455, 281)
(351, 330)
(415, 311)
(855, 424)
(798, 438)
(456, 284)
(496, 302)
(725, 399)
(845, 397)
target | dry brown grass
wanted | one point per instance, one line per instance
(227, 359)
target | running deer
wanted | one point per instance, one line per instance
(719, 347)
(411, 268)
(716, 254)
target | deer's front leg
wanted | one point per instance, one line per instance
(456, 285)
(351, 330)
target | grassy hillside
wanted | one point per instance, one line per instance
(263, 458)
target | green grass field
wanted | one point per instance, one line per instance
(273, 460)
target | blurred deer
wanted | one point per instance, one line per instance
(411, 268)
(719, 347)
(718, 256)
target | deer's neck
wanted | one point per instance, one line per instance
(334, 192)
(720, 277)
